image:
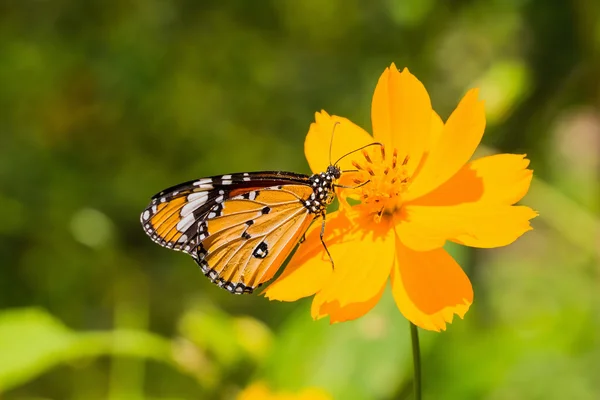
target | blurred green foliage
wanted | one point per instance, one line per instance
(104, 103)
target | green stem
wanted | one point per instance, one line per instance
(414, 336)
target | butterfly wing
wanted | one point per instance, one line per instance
(239, 228)
(245, 246)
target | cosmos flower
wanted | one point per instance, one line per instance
(409, 197)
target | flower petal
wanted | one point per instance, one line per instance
(401, 115)
(435, 131)
(365, 261)
(348, 312)
(478, 224)
(348, 137)
(310, 266)
(460, 137)
(355, 243)
(258, 390)
(499, 179)
(430, 287)
(363, 254)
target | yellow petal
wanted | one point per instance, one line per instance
(401, 115)
(309, 267)
(348, 312)
(260, 391)
(478, 224)
(347, 137)
(349, 238)
(430, 287)
(363, 261)
(498, 179)
(436, 129)
(256, 391)
(311, 394)
(460, 137)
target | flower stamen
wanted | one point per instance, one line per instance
(381, 183)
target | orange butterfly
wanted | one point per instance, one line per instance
(241, 227)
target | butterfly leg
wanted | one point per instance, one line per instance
(323, 241)
(302, 238)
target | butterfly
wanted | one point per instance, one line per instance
(240, 228)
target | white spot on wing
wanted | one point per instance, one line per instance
(196, 200)
(204, 183)
(146, 215)
(197, 195)
(183, 239)
(185, 223)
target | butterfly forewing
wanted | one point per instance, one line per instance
(172, 216)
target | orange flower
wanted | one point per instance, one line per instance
(260, 391)
(421, 191)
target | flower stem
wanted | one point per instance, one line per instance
(414, 336)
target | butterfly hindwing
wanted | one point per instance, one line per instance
(244, 249)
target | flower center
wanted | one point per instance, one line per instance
(381, 180)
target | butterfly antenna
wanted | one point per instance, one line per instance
(359, 149)
(352, 187)
(331, 141)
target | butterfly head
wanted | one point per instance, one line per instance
(334, 172)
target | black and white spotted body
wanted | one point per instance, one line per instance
(323, 190)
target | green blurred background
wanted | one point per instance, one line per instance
(104, 103)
